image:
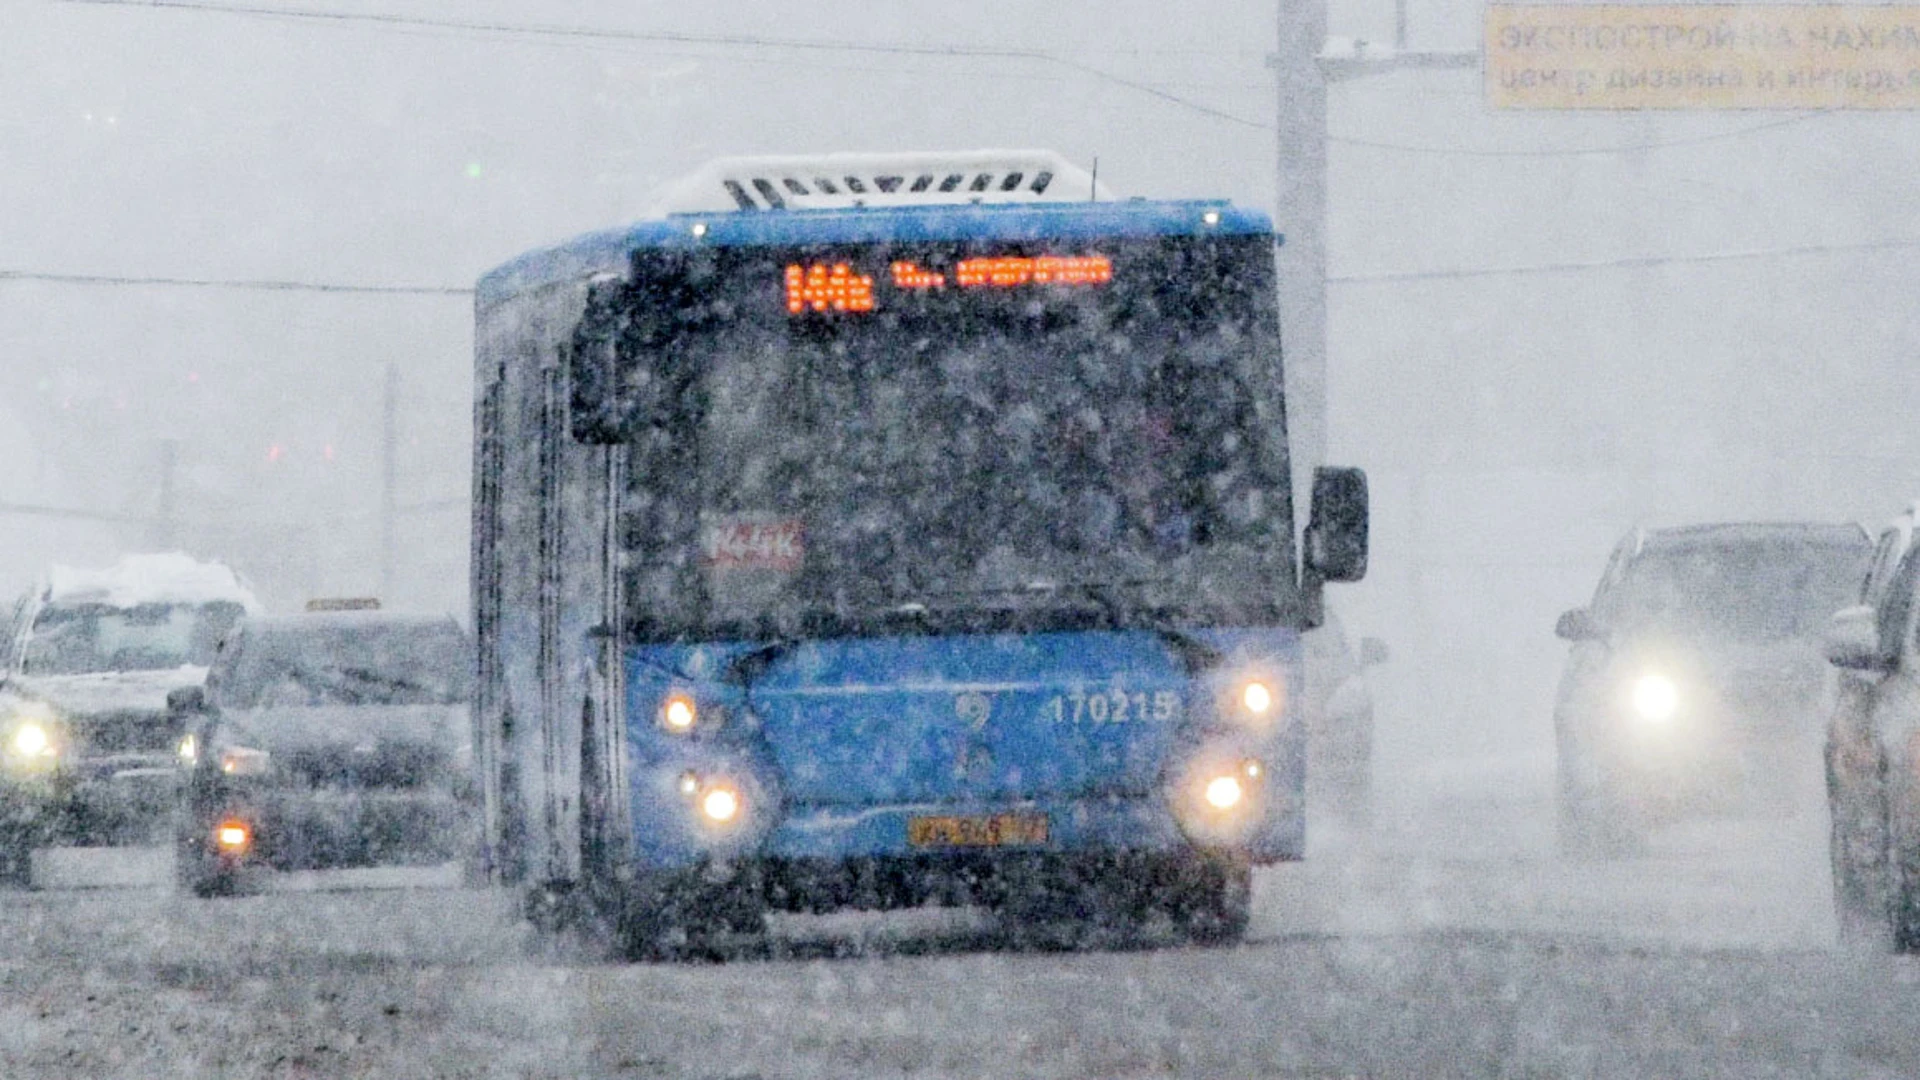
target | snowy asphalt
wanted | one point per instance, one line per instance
(1448, 941)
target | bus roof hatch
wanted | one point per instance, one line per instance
(843, 181)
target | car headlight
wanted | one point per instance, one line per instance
(1655, 697)
(32, 736)
(244, 761)
(31, 739)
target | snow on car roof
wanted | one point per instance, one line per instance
(158, 578)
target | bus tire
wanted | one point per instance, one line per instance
(16, 858)
(680, 917)
(1215, 903)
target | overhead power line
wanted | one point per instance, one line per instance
(755, 41)
(1629, 262)
(663, 37)
(248, 284)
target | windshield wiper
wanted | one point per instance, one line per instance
(1196, 655)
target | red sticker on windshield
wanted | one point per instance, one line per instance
(753, 545)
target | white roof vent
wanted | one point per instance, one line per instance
(839, 181)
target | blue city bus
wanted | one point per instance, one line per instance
(873, 531)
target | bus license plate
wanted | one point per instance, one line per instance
(996, 830)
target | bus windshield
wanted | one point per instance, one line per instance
(953, 448)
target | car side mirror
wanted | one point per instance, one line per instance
(1853, 641)
(1577, 625)
(1373, 652)
(1336, 536)
(186, 699)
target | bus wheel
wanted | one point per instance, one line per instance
(16, 858)
(680, 917)
(1214, 902)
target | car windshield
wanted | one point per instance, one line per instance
(80, 639)
(354, 665)
(1740, 590)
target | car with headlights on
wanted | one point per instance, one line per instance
(1695, 684)
(328, 740)
(89, 755)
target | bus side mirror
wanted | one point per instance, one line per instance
(1336, 536)
(1853, 641)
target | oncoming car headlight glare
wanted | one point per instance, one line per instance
(1655, 697)
(31, 739)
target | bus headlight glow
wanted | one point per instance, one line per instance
(1225, 792)
(1256, 697)
(720, 805)
(677, 713)
(1655, 697)
(189, 749)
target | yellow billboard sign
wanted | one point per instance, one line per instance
(1703, 56)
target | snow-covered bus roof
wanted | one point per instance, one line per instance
(610, 250)
(159, 578)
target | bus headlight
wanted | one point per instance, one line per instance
(678, 713)
(1225, 792)
(1655, 697)
(720, 805)
(1257, 697)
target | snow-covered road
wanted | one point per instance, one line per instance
(1450, 942)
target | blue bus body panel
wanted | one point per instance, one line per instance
(837, 743)
(782, 228)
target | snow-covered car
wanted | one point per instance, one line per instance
(1337, 709)
(1696, 680)
(1873, 796)
(88, 753)
(324, 741)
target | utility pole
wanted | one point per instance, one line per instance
(389, 477)
(1306, 62)
(1301, 217)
